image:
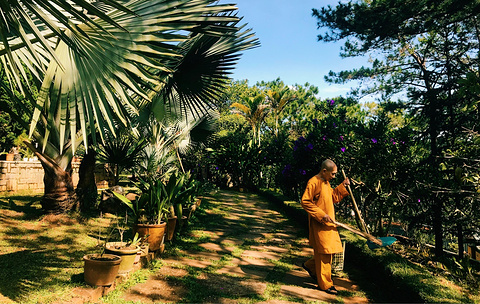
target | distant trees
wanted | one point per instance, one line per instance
(422, 51)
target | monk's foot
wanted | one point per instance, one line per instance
(332, 290)
(312, 275)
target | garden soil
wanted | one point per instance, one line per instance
(242, 250)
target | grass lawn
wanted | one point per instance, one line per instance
(41, 256)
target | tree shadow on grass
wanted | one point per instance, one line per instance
(27, 207)
(25, 270)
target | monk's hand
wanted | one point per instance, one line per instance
(346, 182)
(327, 219)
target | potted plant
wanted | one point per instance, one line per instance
(101, 269)
(184, 200)
(127, 250)
(149, 210)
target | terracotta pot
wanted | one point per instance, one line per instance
(155, 234)
(9, 157)
(171, 223)
(128, 255)
(100, 270)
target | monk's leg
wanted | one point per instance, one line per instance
(323, 268)
(310, 264)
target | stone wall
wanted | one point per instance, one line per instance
(28, 176)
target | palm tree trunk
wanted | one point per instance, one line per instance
(86, 192)
(59, 194)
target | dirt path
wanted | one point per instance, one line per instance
(239, 251)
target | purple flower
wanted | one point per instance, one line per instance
(343, 149)
(295, 148)
(332, 102)
(216, 168)
(374, 140)
(303, 172)
(310, 146)
(286, 169)
(419, 200)
(324, 137)
(334, 125)
(341, 137)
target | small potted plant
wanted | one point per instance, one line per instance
(150, 210)
(127, 250)
(101, 269)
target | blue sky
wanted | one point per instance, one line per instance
(289, 47)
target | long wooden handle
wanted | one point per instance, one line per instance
(357, 211)
(369, 237)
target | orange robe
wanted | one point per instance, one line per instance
(318, 200)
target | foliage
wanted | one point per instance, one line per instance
(121, 152)
(254, 109)
(424, 51)
(152, 205)
(159, 195)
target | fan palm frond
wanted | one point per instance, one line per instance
(202, 72)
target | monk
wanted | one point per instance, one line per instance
(318, 200)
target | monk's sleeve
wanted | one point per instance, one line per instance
(339, 193)
(309, 205)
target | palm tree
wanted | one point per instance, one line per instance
(278, 100)
(95, 63)
(121, 152)
(254, 109)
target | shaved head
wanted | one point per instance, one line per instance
(328, 164)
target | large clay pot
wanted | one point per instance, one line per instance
(154, 233)
(128, 255)
(101, 270)
(171, 223)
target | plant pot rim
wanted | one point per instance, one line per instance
(162, 223)
(111, 246)
(112, 258)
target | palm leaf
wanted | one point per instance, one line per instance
(112, 77)
(201, 73)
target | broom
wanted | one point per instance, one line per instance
(369, 237)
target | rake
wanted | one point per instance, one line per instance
(372, 241)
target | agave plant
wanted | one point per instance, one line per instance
(94, 62)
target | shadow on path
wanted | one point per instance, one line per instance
(240, 250)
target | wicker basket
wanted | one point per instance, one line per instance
(338, 260)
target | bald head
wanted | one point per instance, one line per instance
(328, 170)
(328, 164)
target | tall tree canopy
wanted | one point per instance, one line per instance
(421, 52)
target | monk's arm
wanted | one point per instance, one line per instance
(309, 205)
(339, 193)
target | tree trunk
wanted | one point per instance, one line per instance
(86, 192)
(59, 194)
(460, 240)
(437, 225)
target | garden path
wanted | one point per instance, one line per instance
(240, 250)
